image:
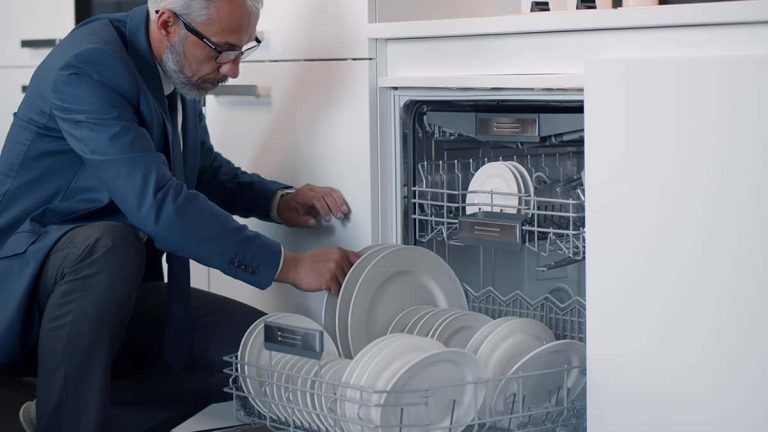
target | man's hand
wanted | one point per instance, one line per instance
(317, 270)
(301, 208)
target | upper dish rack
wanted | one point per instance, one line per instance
(551, 220)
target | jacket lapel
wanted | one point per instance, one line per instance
(141, 53)
(190, 109)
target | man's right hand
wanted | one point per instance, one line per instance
(317, 270)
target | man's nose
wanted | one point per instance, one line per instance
(231, 69)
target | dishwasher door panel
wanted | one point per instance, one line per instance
(677, 266)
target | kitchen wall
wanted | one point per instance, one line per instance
(412, 10)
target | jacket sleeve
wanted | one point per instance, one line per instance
(94, 100)
(234, 190)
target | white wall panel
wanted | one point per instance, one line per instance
(676, 273)
(311, 124)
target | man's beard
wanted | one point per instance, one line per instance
(173, 66)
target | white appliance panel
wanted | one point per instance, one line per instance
(299, 29)
(311, 124)
(32, 20)
(676, 274)
(12, 81)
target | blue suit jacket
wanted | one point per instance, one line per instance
(86, 145)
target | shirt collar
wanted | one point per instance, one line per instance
(167, 84)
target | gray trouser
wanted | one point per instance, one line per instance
(101, 334)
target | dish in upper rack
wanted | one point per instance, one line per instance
(493, 185)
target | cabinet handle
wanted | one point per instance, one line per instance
(39, 43)
(24, 89)
(235, 90)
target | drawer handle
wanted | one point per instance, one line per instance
(39, 43)
(235, 90)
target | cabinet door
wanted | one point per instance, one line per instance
(36, 24)
(676, 276)
(309, 124)
(301, 29)
(12, 85)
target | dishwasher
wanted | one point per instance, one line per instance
(525, 259)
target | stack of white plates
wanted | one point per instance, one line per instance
(509, 182)
(508, 347)
(531, 391)
(271, 380)
(390, 371)
(453, 327)
(328, 392)
(384, 282)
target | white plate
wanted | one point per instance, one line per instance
(241, 356)
(328, 392)
(541, 390)
(307, 379)
(496, 177)
(428, 324)
(292, 394)
(391, 357)
(270, 388)
(256, 353)
(477, 340)
(283, 393)
(432, 370)
(346, 295)
(442, 320)
(526, 179)
(405, 317)
(508, 344)
(383, 365)
(275, 389)
(397, 279)
(331, 301)
(459, 330)
(347, 407)
(418, 319)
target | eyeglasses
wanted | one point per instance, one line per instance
(224, 56)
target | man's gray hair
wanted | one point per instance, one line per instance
(195, 11)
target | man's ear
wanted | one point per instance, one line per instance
(167, 24)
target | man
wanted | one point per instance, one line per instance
(107, 162)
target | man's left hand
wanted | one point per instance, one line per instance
(301, 208)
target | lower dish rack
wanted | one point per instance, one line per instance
(305, 401)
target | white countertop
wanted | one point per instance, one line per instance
(739, 12)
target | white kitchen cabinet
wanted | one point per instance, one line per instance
(36, 23)
(418, 10)
(12, 83)
(676, 274)
(301, 29)
(311, 123)
(199, 275)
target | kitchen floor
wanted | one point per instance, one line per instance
(12, 396)
(127, 418)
